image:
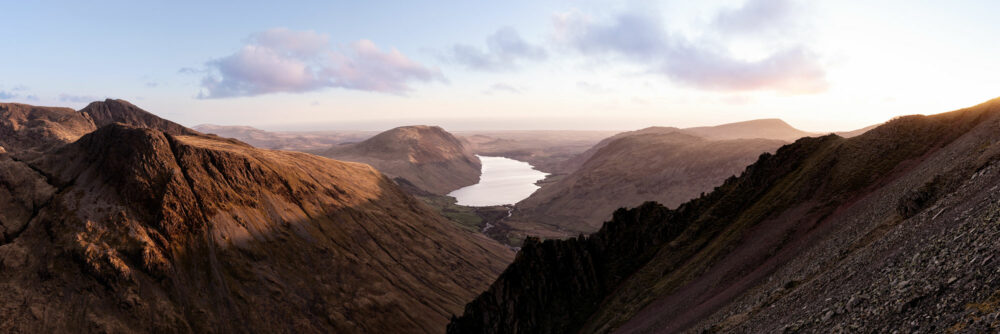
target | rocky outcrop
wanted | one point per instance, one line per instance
(136, 229)
(889, 230)
(427, 156)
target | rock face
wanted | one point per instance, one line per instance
(891, 230)
(666, 165)
(426, 156)
(146, 227)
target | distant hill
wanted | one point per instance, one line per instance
(759, 129)
(428, 157)
(858, 132)
(771, 128)
(115, 220)
(891, 230)
(290, 141)
(662, 165)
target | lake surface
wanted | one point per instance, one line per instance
(504, 181)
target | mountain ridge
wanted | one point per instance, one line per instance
(743, 258)
(168, 230)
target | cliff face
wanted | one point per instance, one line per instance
(887, 230)
(136, 229)
(426, 156)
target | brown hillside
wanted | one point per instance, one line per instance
(663, 164)
(890, 230)
(131, 229)
(668, 168)
(771, 128)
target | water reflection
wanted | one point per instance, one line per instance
(504, 181)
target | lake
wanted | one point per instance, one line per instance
(504, 181)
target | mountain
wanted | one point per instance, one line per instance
(894, 229)
(425, 156)
(120, 111)
(291, 141)
(670, 168)
(753, 129)
(144, 226)
(575, 162)
(771, 128)
(663, 164)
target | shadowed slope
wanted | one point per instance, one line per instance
(142, 230)
(779, 247)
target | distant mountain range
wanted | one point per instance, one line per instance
(892, 230)
(115, 220)
(291, 141)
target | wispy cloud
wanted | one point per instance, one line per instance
(12, 92)
(592, 88)
(76, 98)
(641, 38)
(283, 60)
(756, 16)
(502, 88)
(504, 50)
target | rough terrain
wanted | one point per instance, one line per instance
(892, 230)
(114, 220)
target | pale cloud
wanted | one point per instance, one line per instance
(502, 88)
(756, 16)
(592, 88)
(505, 49)
(641, 38)
(76, 98)
(282, 60)
(12, 92)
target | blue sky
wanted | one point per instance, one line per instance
(820, 65)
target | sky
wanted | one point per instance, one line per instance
(490, 65)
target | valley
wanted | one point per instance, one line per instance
(484, 167)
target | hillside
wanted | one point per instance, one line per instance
(889, 230)
(426, 156)
(771, 128)
(141, 226)
(662, 164)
